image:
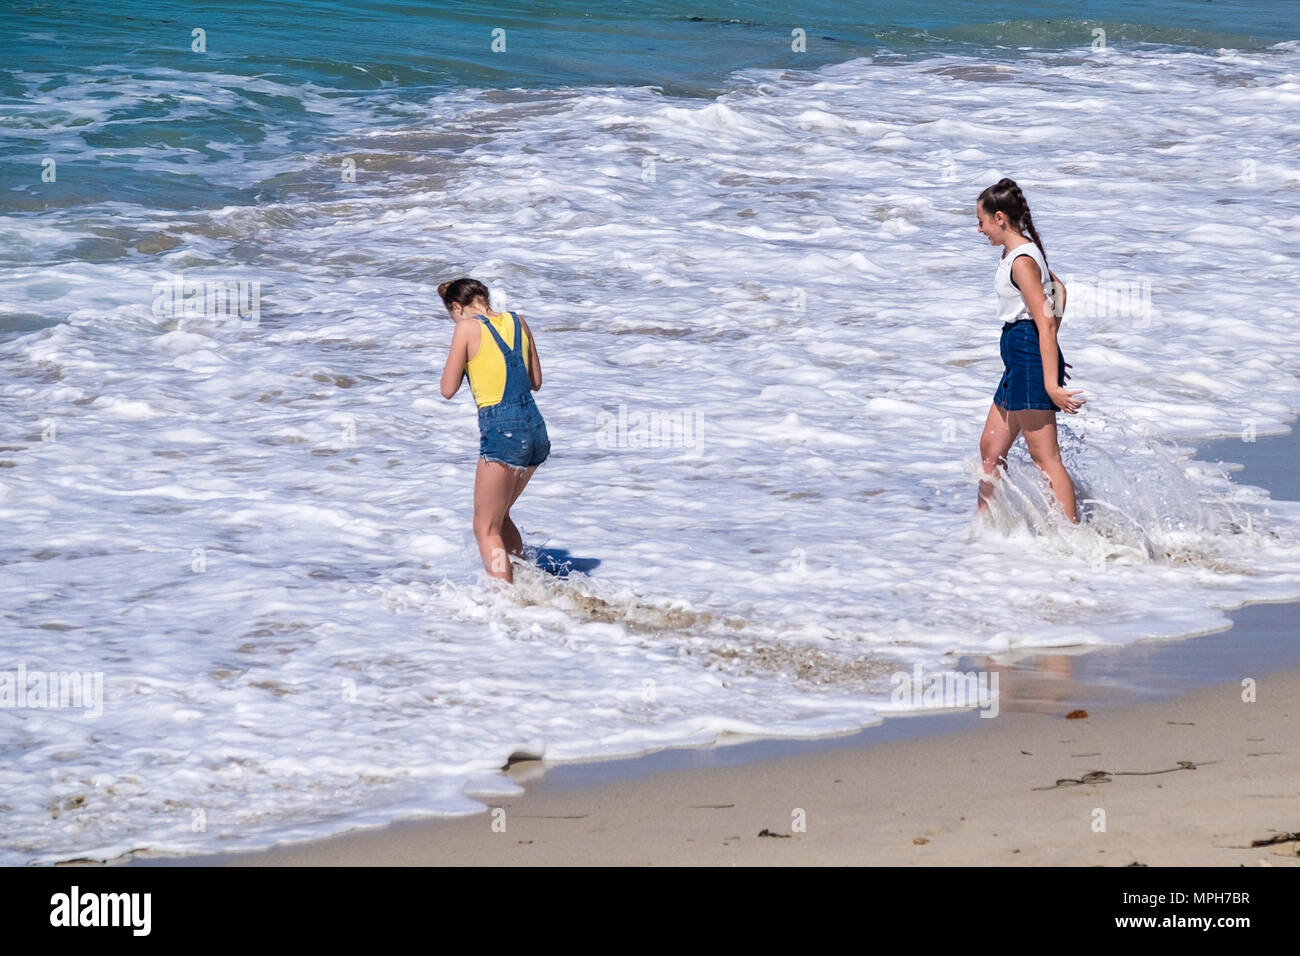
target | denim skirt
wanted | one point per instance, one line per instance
(1022, 387)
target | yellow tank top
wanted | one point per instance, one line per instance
(487, 369)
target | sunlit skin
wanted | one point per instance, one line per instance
(1037, 425)
(496, 486)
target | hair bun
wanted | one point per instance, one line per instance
(464, 291)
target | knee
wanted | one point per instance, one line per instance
(992, 454)
(1045, 458)
(485, 526)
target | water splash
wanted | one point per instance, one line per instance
(1136, 498)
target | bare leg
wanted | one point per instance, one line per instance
(514, 542)
(493, 486)
(1000, 431)
(1040, 435)
(509, 533)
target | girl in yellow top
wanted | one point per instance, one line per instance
(496, 352)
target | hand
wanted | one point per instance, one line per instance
(1064, 399)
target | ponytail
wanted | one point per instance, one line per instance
(1033, 234)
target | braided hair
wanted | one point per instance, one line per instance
(1005, 196)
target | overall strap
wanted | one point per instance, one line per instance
(501, 343)
(519, 337)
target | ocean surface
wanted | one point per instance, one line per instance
(767, 326)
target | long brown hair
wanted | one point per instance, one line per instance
(1004, 196)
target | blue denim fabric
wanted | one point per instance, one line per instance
(1022, 386)
(512, 431)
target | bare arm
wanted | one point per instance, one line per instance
(534, 363)
(1027, 276)
(457, 355)
(1058, 298)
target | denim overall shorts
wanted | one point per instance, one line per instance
(1022, 386)
(512, 431)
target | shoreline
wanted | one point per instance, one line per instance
(1130, 693)
(1190, 781)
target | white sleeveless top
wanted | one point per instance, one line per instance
(1011, 305)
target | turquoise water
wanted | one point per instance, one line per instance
(70, 67)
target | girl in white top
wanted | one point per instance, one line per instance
(1031, 301)
(1012, 306)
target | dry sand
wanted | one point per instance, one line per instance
(986, 795)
